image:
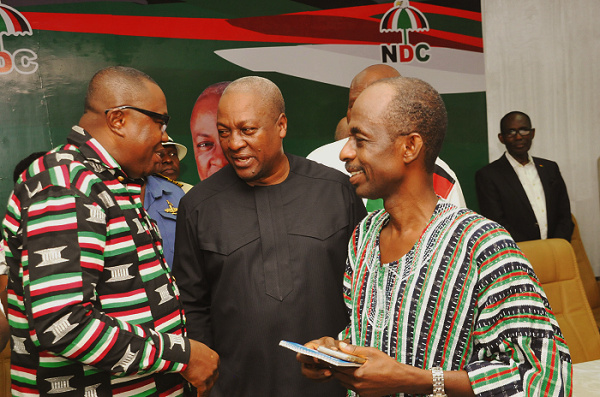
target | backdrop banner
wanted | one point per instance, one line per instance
(311, 49)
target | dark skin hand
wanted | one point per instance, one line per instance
(202, 370)
(380, 375)
(313, 368)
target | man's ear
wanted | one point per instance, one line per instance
(282, 125)
(501, 138)
(411, 146)
(116, 120)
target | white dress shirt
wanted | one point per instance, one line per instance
(329, 155)
(530, 179)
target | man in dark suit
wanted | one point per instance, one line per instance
(525, 194)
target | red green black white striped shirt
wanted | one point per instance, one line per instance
(464, 297)
(92, 308)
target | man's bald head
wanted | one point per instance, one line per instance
(125, 112)
(367, 77)
(265, 89)
(115, 86)
(341, 130)
(252, 124)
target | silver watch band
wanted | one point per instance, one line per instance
(438, 382)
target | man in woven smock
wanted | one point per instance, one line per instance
(441, 299)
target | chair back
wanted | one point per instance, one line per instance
(5, 371)
(588, 278)
(553, 261)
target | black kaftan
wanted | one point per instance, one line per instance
(259, 264)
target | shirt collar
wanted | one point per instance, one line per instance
(156, 186)
(96, 153)
(515, 164)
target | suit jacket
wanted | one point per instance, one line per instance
(503, 199)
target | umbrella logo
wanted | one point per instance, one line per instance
(403, 17)
(13, 23)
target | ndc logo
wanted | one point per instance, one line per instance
(404, 18)
(13, 23)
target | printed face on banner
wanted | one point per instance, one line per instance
(205, 137)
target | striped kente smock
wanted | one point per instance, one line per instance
(464, 297)
(92, 308)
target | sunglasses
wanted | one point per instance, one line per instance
(161, 118)
(521, 131)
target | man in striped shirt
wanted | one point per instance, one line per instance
(441, 299)
(92, 307)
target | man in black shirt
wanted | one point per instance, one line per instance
(261, 247)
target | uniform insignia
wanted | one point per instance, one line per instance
(119, 273)
(60, 384)
(51, 256)
(172, 209)
(170, 180)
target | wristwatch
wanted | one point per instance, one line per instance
(438, 382)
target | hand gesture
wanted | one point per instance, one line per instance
(202, 370)
(312, 367)
(380, 375)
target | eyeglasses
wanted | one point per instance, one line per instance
(161, 118)
(521, 131)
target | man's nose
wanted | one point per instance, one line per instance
(348, 152)
(236, 141)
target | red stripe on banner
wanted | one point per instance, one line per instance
(167, 27)
(369, 11)
(300, 28)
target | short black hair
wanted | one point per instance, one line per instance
(511, 114)
(417, 107)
